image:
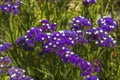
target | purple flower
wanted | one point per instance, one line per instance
(43, 21)
(15, 10)
(74, 59)
(7, 60)
(6, 7)
(92, 78)
(96, 65)
(17, 71)
(7, 0)
(17, 74)
(107, 24)
(10, 7)
(68, 56)
(61, 42)
(5, 46)
(1, 72)
(33, 32)
(81, 40)
(106, 41)
(46, 26)
(71, 34)
(41, 38)
(70, 37)
(86, 68)
(4, 61)
(4, 64)
(55, 41)
(18, 2)
(88, 2)
(75, 27)
(25, 43)
(81, 22)
(100, 37)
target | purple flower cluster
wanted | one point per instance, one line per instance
(100, 34)
(100, 37)
(96, 65)
(46, 26)
(10, 7)
(51, 41)
(63, 39)
(17, 74)
(4, 47)
(68, 56)
(49, 38)
(14, 73)
(80, 22)
(4, 61)
(4, 64)
(60, 42)
(92, 78)
(87, 69)
(88, 2)
(107, 24)
(25, 43)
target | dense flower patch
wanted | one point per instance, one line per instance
(45, 39)
(60, 41)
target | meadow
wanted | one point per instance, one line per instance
(59, 40)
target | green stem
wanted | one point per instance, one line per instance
(102, 8)
(99, 53)
(112, 10)
(11, 28)
(45, 73)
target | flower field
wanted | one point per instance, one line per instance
(59, 40)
